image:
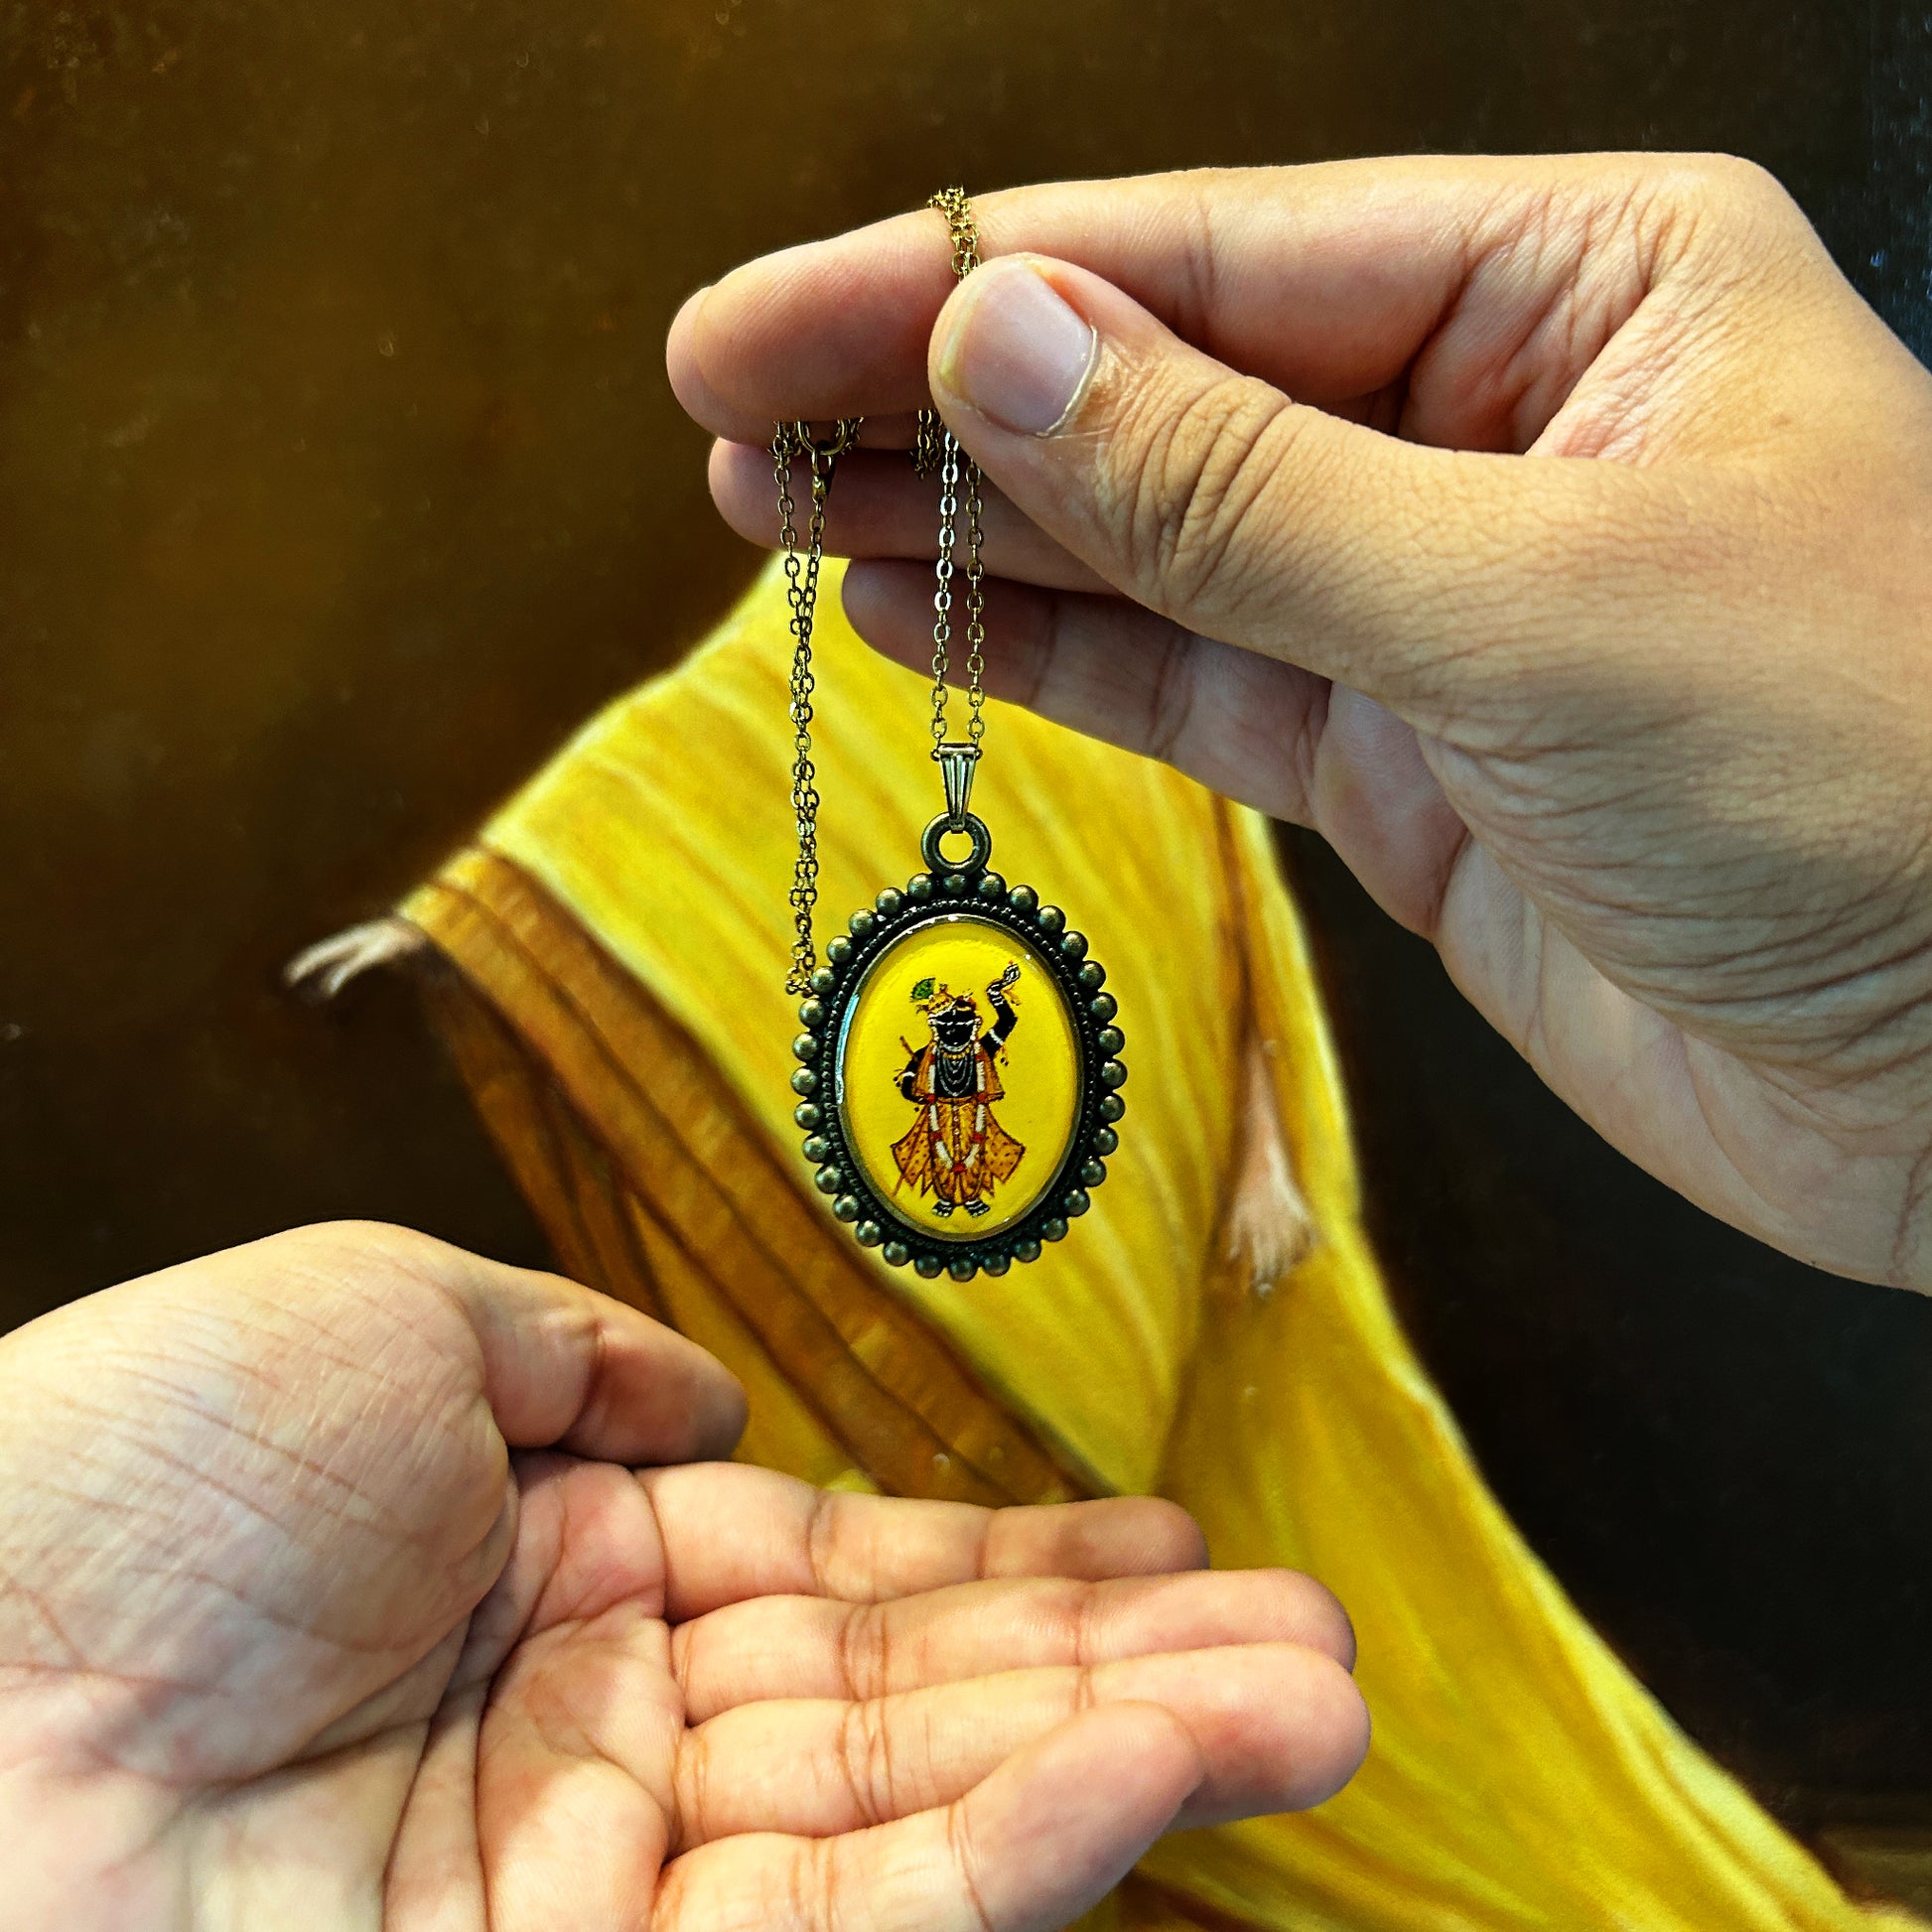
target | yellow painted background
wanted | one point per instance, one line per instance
(1039, 1068)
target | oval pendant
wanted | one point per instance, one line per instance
(960, 1075)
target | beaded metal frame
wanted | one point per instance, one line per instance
(1078, 980)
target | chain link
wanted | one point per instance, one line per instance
(789, 442)
(957, 208)
(929, 437)
(956, 470)
(933, 448)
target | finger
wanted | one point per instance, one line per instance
(821, 1647)
(435, 1876)
(878, 507)
(1256, 730)
(1328, 281)
(566, 1367)
(558, 1364)
(1278, 1728)
(568, 1794)
(1045, 1836)
(1242, 724)
(731, 1531)
(878, 429)
(1416, 576)
(585, 1545)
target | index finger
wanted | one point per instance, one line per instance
(1324, 280)
(733, 1531)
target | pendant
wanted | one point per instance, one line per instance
(960, 1065)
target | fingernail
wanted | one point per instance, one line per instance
(1016, 352)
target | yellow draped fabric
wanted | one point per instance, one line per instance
(617, 938)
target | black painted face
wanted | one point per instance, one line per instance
(955, 1026)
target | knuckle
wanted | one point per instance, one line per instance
(1085, 1694)
(334, 1241)
(964, 1849)
(1171, 699)
(684, 1640)
(866, 1761)
(1732, 178)
(988, 1555)
(1071, 1623)
(822, 1530)
(691, 1790)
(1724, 194)
(812, 1896)
(1081, 1614)
(863, 1648)
(1195, 487)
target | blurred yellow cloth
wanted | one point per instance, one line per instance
(619, 936)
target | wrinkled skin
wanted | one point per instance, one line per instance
(349, 1581)
(1554, 536)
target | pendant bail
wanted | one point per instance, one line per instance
(957, 762)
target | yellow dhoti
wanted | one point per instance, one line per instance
(956, 1148)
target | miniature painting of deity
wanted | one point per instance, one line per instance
(958, 1114)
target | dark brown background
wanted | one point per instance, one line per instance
(338, 480)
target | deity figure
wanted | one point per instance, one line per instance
(956, 1150)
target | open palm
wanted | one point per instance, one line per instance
(332, 1598)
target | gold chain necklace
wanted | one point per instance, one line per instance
(1001, 1144)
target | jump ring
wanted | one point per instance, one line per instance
(975, 829)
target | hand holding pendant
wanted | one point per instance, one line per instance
(1553, 535)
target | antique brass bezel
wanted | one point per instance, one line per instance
(1078, 981)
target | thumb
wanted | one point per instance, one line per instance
(1209, 495)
